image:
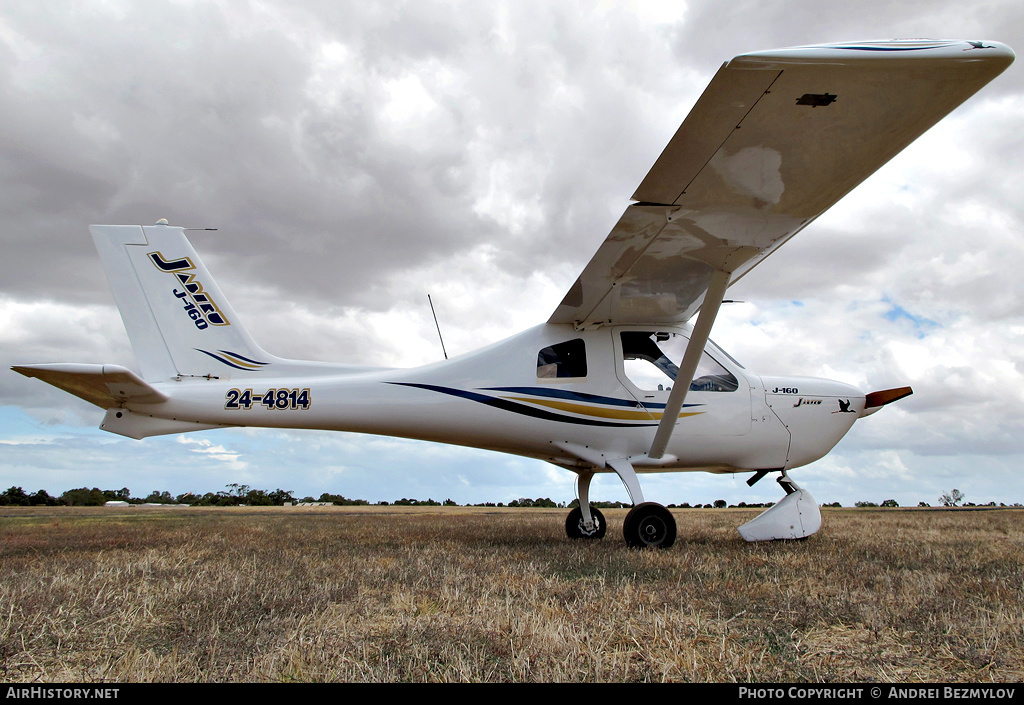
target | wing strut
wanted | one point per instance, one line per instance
(691, 358)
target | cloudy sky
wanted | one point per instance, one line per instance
(357, 156)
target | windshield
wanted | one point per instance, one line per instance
(651, 362)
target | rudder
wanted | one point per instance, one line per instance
(178, 320)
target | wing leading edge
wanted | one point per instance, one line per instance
(776, 139)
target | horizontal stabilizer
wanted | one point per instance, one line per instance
(105, 386)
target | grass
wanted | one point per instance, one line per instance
(473, 594)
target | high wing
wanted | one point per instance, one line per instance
(775, 140)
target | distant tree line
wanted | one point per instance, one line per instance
(242, 495)
(234, 495)
(949, 499)
(94, 497)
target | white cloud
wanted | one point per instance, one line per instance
(216, 452)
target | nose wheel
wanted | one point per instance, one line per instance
(649, 525)
(795, 516)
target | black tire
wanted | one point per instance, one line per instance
(649, 525)
(574, 524)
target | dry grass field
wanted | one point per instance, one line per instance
(467, 594)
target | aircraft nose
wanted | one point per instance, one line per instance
(817, 412)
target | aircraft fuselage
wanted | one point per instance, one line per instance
(502, 398)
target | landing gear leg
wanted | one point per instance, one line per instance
(585, 521)
(648, 524)
(787, 484)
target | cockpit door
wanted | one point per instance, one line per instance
(718, 403)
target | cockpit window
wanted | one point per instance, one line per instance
(651, 361)
(719, 350)
(568, 359)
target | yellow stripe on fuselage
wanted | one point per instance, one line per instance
(600, 412)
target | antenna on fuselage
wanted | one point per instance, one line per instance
(438, 327)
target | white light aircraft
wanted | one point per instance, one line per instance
(616, 380)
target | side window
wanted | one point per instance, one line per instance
(568, 359)
(651, 362)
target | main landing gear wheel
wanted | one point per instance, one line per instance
(649, 525)
(575, 529)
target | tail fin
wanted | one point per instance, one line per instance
(178, 319)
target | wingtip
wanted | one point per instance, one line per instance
(887, 49)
